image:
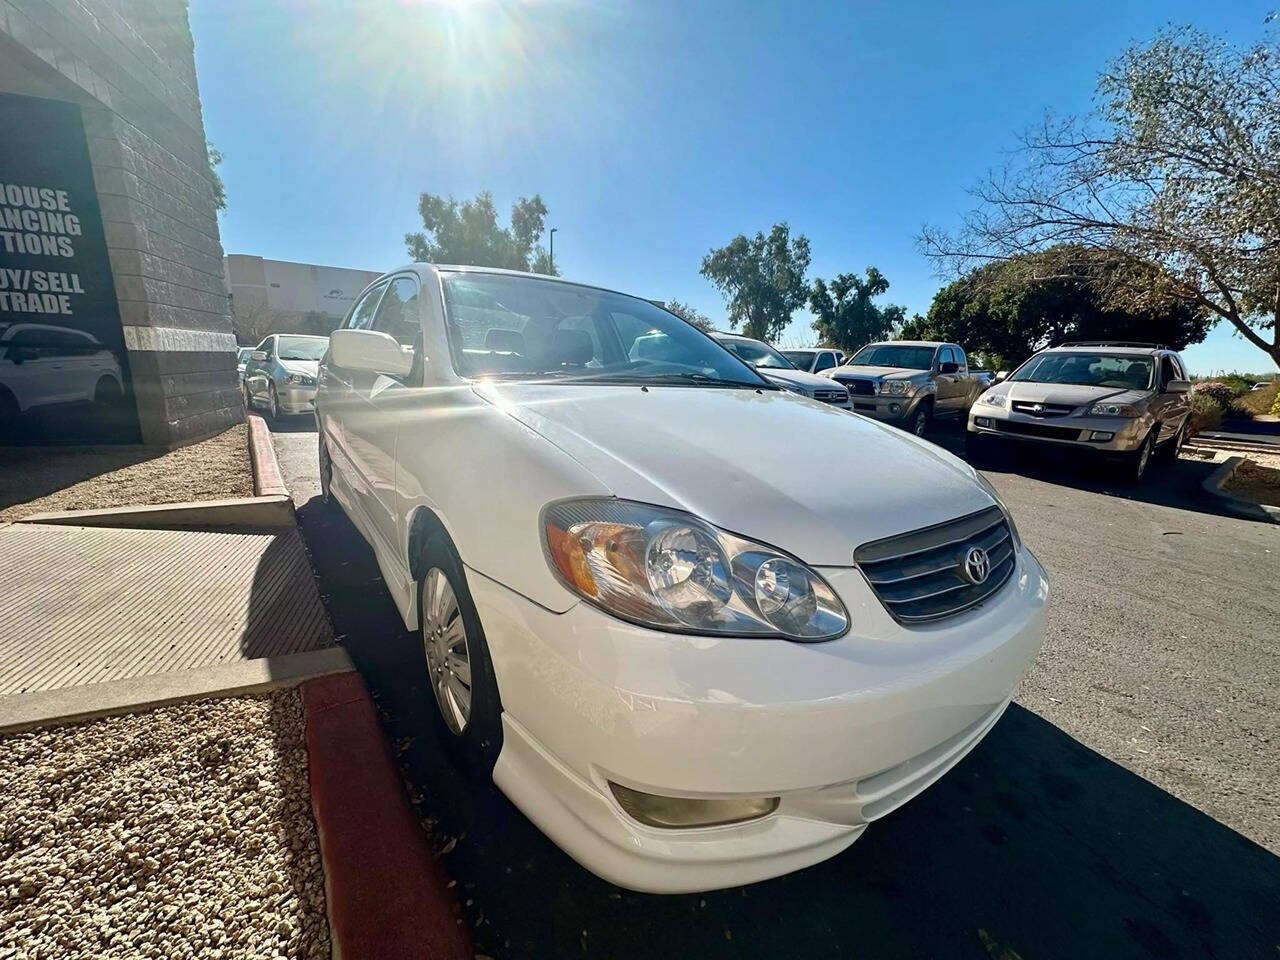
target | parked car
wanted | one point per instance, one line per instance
(814, 359)
(46, 365)
(1125, 402)
(649, 605)
(909, 383)
(281, 373)
(242, 359)
(775, 367)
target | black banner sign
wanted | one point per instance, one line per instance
(64, 375)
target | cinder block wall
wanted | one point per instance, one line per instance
(130, 65)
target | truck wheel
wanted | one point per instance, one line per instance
(919, 423)
(468, 710)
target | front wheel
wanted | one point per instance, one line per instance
(468, 710)
(1172, 447)
(919, 422)
(1134, 467)
(273, 402)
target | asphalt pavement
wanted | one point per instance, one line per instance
(1125, 806)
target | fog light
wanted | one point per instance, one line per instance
(895, 408)
(982, 421)
(669, 812)
(1101, 436)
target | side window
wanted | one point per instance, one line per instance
(1167, 371)
(398, 313)
(362, 312)
(1178, 368)
(269, 345)
(960, 357)
(946, 355)
(825, 362)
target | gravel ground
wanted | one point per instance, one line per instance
(1257, 479)
(40, 479)
(182, 832)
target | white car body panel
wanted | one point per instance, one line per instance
(843, 731)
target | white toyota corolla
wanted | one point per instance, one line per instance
(700, 630)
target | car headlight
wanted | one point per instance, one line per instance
(669, 570)
(993, 399)
(1105, 409)
(895, 388)
(300, 379)
(1013, 527)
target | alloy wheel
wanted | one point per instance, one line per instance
(444, 640)
(273, 403)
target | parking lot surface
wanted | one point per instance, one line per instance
(1126, 805)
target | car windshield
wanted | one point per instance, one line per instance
(799, 358)
(1088, 369)
(303, 348)
(530, 328)
(894, 355)
(755, 352)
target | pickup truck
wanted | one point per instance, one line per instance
(910, 382)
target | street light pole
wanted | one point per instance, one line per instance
(553, 250)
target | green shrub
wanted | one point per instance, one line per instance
(1206, 413)
(1237, 382)
(1255, 402)
(1275, 407)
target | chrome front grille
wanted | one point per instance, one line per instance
(831, 396)
(921, 576)
(1040, 409)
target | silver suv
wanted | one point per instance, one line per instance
(1124, 401)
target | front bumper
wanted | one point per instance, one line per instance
(888, 409)
(843, 731)
(296, 398)
(1125, 433)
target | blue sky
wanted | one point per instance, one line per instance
(654, 131)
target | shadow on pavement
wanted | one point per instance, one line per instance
(1177, 484)
(294, 423)
(1033, 844)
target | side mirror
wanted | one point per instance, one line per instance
(1000, 375)
(948, 366)
(258, 355)
(371, 351)
(1178, 386)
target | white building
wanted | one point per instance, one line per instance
(279, 296)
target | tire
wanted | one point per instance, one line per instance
(326, 473)
(467, 719)
(108, 392)
(1169, 450)
(273, 403)
(1134, 467)
(921, 419)
(248, 398)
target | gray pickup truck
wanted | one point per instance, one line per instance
(910, 382)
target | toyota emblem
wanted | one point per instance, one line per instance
(977, 565)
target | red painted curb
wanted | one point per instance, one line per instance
(267, 479)
(388, 897)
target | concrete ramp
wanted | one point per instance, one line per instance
(84, 605)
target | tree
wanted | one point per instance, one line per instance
(1180, 167)
(215, 179)
(1008, 309)
(469, 233)
(689, 315)
(762, 279)
(844, 315)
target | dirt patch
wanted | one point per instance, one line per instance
(1257, 479)
(41, 479)
(181, 832)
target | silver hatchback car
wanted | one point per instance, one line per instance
(1123, 401)
(281, 373)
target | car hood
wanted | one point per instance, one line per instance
(876, 373)
(308, 368)
(799, 378)
(1069, 394)
(812, 480)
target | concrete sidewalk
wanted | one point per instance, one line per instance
(87, 605)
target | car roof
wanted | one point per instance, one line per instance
(421, 268)
(1140, 349)
(912, 343)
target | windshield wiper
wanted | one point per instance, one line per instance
(705, 380)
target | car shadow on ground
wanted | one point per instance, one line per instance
(1034, 844)
(1178, 484)
(293, 423)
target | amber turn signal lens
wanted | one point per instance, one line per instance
(570, 559)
